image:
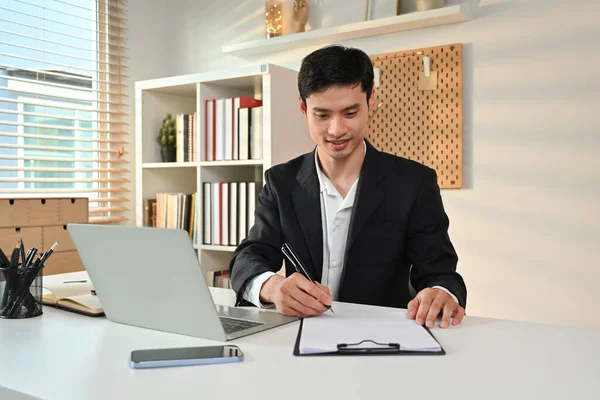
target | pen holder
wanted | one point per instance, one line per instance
(21, 292)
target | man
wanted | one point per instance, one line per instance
(361, 221)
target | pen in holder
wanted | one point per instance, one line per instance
(21, 283)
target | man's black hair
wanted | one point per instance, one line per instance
(333, 66)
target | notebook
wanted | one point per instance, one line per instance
(75, 296)
(360, 333)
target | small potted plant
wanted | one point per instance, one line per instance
(167, 139)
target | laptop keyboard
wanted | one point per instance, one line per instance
(232, 325)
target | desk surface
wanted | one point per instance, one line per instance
(65, 356)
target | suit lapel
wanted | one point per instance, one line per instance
(369, 195)
(307, 204)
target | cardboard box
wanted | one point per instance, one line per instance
(60, 263)
(9, 237)
(73, 210)
(40, 222)
(18, 213)
(60, 234)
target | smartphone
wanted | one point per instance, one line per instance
(175, 357)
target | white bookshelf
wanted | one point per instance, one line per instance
(285, 136)
(169, 165)
(236, 163)
(208, 247)
(336, 34)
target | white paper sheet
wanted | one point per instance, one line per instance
(323, 333)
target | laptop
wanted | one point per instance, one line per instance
(151, 278)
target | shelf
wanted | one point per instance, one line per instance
(336, 34)
(217, 248)
(159, 165)
(184, 90)
(185, 85)
(235, 163)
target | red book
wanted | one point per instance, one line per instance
(237, 103)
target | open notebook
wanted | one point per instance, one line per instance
(323, 334)
(75, 296)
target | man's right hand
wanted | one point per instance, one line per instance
(295, 295)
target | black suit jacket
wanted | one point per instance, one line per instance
(398, 221)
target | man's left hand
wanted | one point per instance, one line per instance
(430, 303)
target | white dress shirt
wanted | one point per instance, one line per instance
(336, 213)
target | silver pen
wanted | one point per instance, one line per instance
(291, 256)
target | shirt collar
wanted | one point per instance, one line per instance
(324, 182)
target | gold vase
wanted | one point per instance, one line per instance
(273, 18)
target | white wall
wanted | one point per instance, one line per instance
(526, 223)
(147, 50)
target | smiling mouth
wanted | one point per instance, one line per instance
(338, 142)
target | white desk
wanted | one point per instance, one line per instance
(65, 356)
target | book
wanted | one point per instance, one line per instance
(240, 103)
(216, 213)
(252, 199)
(207, 214)
(233, 210)
(148, 207)
(256, 133)
(220, 130)
(242, 214)
(244, 133)
(210, 131)
(74, 296)
(224, 217)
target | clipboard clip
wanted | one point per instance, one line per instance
(378, 348)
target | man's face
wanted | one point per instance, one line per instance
(338, 119)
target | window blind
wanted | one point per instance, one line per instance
(63, 67)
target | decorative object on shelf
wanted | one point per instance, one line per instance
(424, 5)
(273, 18)
(409, 20)
(398, 7)
(300, 16)
(167, 139)
(368, 11)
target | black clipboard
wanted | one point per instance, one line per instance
(377, 349)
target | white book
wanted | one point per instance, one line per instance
(242, 214)
(209, 131)
(226, 283)
(233, 209)
(235, 129)
(229, 129)
(215, 208)
(224, 214)
(196, 204)
(251, 204)
(206, 215)
(256, 133)
(220, 129)
(244, 132)
(172, 218)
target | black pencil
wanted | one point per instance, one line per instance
(22, 253)
(14, 258)
(48, 253)
(3, 260)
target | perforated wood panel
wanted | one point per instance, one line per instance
(425, 126)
